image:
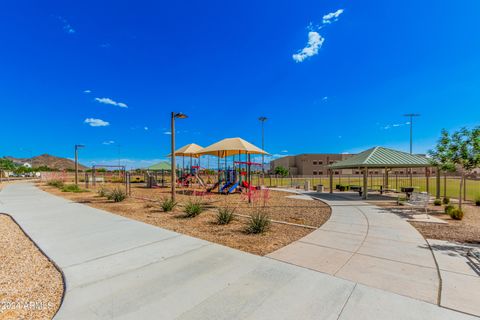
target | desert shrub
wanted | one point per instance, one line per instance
(448, 209)
(55, 183)
(446, 200)
(167, 204)
(437, 202)
(193, 209)
(103, 192)
(225, 215)
(456, 213)
(258, 223)
(477, 200)
(71, 188)
(117, 195)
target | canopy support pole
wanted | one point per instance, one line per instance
(365, 184)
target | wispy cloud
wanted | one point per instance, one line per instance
(67, 27)
(145, 128)
(108, 142)
(332, 16)
(315, 42)
(111, 102)
(87, 91)
(284, 151)
(394, 125)
(105, 45)
(167, 132)
(96, 122)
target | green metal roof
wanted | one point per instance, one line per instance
(164, 165)
(379, 157)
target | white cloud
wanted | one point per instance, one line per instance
(167, 132)
(315, 42)
(105, 45)
(108, 142)
(332, 16)
(284, 151)
(325, 98)
(96, 122)
(67, 27)
(394, 125)
(145, 128)
(111, 102)
(87, 91)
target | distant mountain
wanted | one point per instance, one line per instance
(47, 160)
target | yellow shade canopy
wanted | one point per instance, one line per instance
(190, 150)
(229, 147)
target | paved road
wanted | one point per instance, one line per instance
(116, 268)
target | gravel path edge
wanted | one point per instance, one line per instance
(46, 256)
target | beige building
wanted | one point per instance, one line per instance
(310, 164)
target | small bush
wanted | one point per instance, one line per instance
(225, 215)
(55, 183)
(258, 223)
(477, 200)
(446, 200)
(71, 188)
(456, 213)
(117, 195)
(103, 192)
(168, 204)
(448, 209)
(437, 202)
(193, 209)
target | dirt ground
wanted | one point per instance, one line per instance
(466, 230)
(311, 213)
(30, 285)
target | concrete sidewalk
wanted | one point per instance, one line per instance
(365, 244)
(116, 268)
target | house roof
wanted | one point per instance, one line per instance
(380, 157)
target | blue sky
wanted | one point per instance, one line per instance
(331, 76)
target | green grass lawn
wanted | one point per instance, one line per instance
(452, 184)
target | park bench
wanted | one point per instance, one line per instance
(418, 200)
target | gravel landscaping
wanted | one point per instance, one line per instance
(309, 213)
(30, 285)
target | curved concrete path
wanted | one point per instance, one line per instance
(116, 268)
(368, 245)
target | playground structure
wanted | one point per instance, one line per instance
(233, 175)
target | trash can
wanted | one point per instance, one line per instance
(320, 188)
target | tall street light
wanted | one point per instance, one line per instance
(77, 146)
(175, 115)
(262, 120)
(411, 115)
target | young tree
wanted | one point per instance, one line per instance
(440, 157)
(461, 151)
(281, 171)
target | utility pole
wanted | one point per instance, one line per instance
(411, 115)
(77, 146)
(262, 120)
(173, 168)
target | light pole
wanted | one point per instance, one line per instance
(173, 168)
(77, 146)
(411, 115)
(262, 120)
